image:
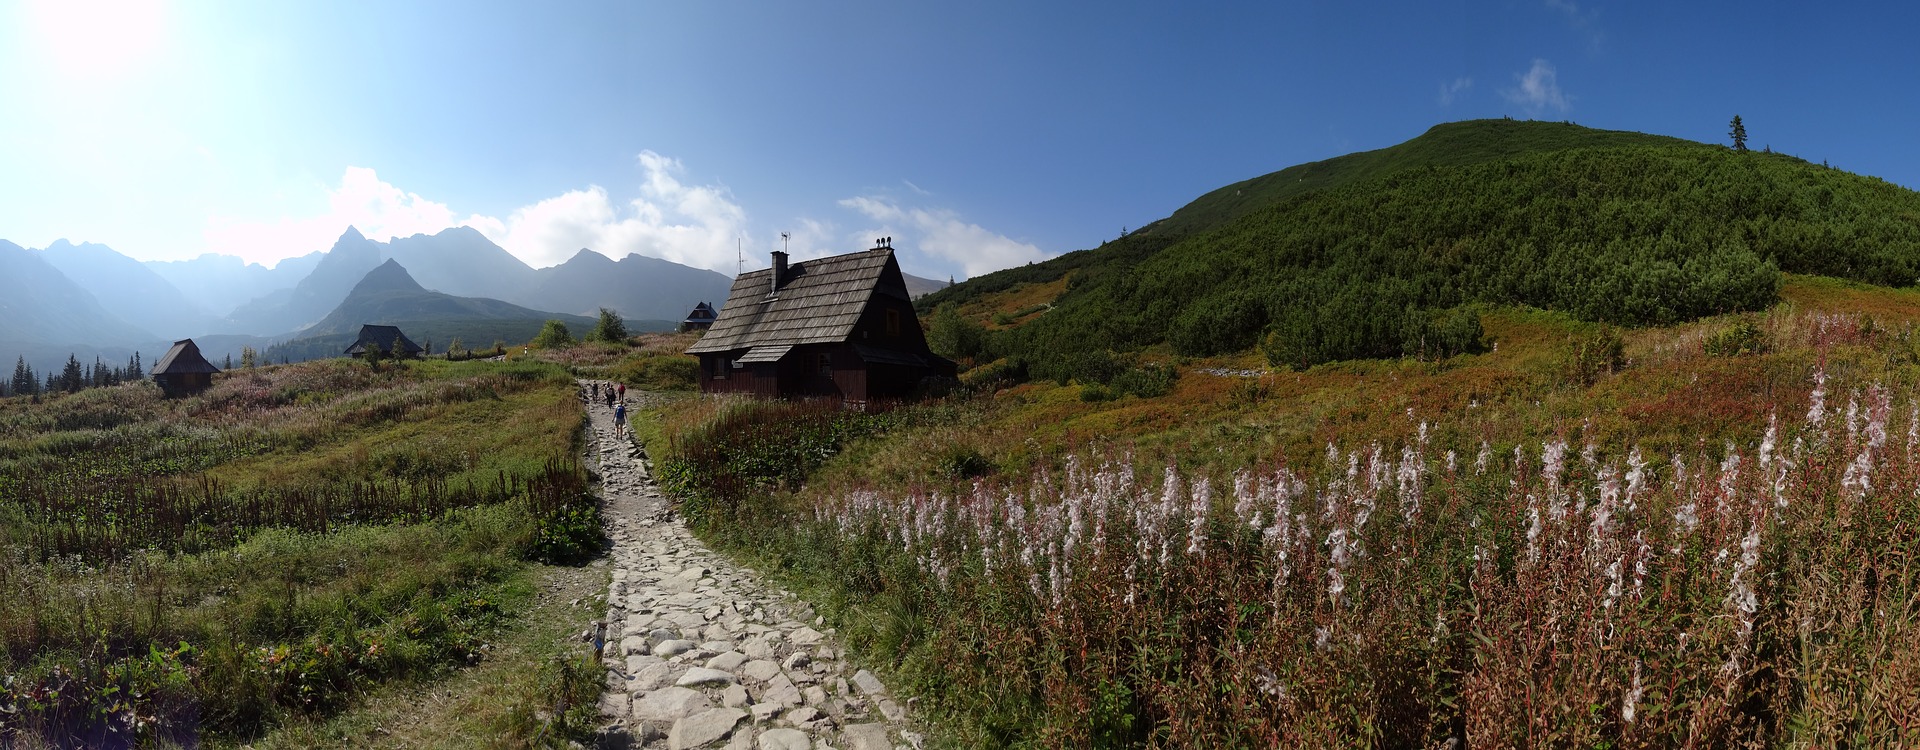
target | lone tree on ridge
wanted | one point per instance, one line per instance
(1739, 135)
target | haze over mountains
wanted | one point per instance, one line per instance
(90, 300)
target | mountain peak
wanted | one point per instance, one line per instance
(386, 277)
(352, 233)
(587, 256)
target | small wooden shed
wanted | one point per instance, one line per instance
(183, 370)
(700, 319)
(388, 338)
(837, 327)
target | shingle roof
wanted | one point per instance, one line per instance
(386, 337)
(701, 313)
(182, 359)
(819, 303)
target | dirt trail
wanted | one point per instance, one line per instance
(700, 653)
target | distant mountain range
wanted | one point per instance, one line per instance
(90, 300)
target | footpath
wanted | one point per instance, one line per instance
(700, 653)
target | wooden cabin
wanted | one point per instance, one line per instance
(837, 327)
(388, 338)
(700, 319)
(183, 370)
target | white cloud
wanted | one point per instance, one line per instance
(694, 225)
(364, 201)
(941, 233)
(691, 224)
(1538, 90)
(1451, 91)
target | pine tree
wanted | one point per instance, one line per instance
(610, 328)
(1738, 132)
(72, 377)
(133, 368)
(24, 383)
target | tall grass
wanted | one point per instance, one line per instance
(174, 569)
(1407, 595)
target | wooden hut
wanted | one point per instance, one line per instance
(841, 326)
(388, 338)
(700, 319)
(183, 370)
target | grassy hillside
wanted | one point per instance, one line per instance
(1374, 254)
(1584, 537)
(184, 570)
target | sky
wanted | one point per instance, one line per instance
(978, 135)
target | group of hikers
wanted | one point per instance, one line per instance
(615, 394)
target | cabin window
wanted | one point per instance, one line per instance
(720, 369)
(826, 365)
(893, 322)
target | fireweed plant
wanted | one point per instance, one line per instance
(1557, 594)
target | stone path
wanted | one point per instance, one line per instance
(700, 654)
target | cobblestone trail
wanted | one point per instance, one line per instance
(701, 654)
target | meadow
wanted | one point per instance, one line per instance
(206, 569)
(1699, 535)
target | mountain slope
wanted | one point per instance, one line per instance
(40, 305)
(460, 261)
(1606, 226)
(637, 286)
(388, 295)
(129, 289)
(221, 283)
(350, 258)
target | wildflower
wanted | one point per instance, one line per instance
(1408, 478)
(1688, 516)
(1858, 480)
(1632, 699)
(1336, 585)
(1636, 477)
(1480, 460)
(1767, 440)
(1817, 401)
(1879, 407)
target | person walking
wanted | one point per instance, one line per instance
(620, 420)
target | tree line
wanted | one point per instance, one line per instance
(72, 377)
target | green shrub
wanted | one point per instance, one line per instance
(1146, 381)
(1736, 340)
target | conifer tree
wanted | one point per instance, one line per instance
(1738, 132)
(72, 377)
(24, 383)
(133, 368)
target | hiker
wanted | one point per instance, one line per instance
(609, 396)
(596, 390)
(620, 420)
(623, 391)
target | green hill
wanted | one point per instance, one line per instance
(1374, 254)
(388, 295)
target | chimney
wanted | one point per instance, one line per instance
(779, 271)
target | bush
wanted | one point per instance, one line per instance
(1146, 381)
(553, 334)
(1736, 340)
(1592, 355)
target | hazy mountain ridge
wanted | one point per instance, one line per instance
(129, 289)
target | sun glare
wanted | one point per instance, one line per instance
(95, 39)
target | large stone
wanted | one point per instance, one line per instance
(613, 705)
(652, 677)
(868, 684)
(670, 649)
(728, 661)
(806, 637)
(785, 739)
(668, 704)
(865, 737)
(699, 676)
(760, 670)
(781, 690)
(633, 644)
(734, 696)
(707, 726)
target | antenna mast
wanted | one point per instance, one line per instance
(740, 255)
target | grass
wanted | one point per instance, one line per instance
(276, 548)
(1666, 550)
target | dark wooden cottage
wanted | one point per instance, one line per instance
(388, 338)
(700, 319)
(840, 327)
(183, 371)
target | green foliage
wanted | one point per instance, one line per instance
(553, 334)
(609, 328)
(373, 353)
(1593, 355)
(1739, 339)
(1146, 381)
(954, 337)
(1737, 131)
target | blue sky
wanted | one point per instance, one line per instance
(978, 135)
